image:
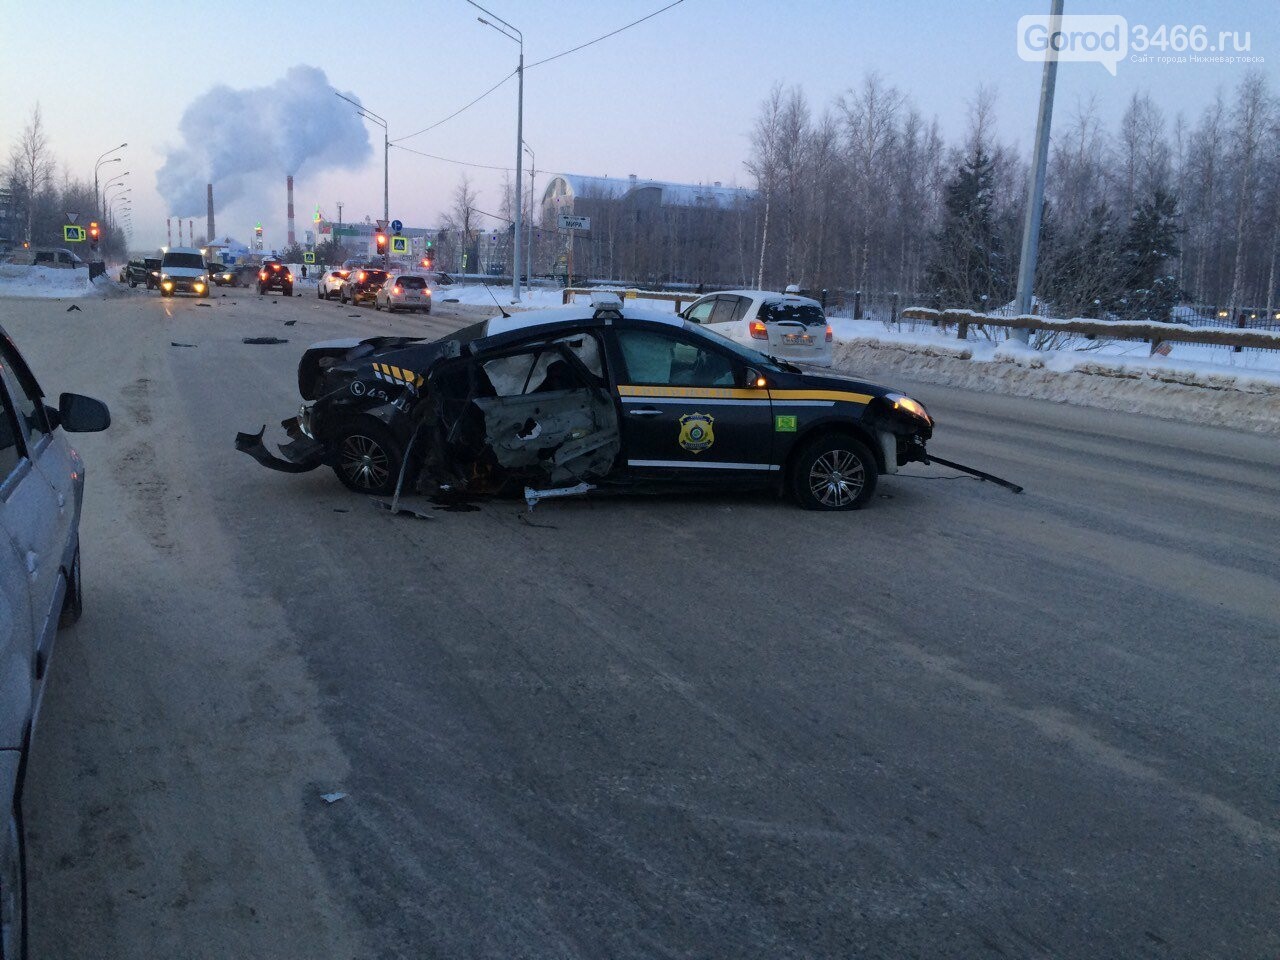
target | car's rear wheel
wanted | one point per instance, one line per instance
(368, 457)
(319, 292)
(287, 290)
(73, 603)
(834, 472)
(377, 304)
(13, 888)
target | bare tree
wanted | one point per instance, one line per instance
(1252, 122)
(31, 165)
(763, 162)
(462, 219)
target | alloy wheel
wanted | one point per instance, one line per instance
(836, 478)
(364, 461)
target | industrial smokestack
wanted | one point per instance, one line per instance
(191, 232)
(289, 183)
(210, 234)
(168, 231)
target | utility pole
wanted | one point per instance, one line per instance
(1035, 190)
(533, 198)
(339, 213)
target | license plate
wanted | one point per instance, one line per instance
(797, 339)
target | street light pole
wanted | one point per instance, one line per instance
(1035, 190)
(97, 201)
(518, 38)
(386, 154)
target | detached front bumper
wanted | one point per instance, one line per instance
(301, 455)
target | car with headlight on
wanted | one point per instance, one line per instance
(784, 325)
(331, 281)
(362, 284)
(606, 397)
(274, 275)
(221, 275)
(41, 492)
(404, 291)
(182, 270)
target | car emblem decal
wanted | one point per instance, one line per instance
(696, 434)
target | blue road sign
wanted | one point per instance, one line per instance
(396, 226)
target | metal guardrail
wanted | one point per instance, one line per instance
(633, 294)
(1153, 332)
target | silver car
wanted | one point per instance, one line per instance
(404, 291)
(41, 489)
(783, 325)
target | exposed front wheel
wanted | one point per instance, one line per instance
(835, 472)
(13, 888)
(368, 457)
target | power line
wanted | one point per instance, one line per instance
(606, 36)
(460, 109)
(461, 163)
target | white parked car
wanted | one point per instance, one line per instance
(404, 291)
(330, 284)
(783, 325)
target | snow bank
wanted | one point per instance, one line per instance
(1245, 398)
(19, 280)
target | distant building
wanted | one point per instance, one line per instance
(649, 230)
(11, 226)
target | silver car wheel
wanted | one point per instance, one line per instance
(836, 478)
(364, 462)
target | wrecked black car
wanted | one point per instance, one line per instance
(577, 398)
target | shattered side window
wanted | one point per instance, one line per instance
(546, 369)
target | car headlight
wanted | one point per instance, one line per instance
(914, 407)
(164, 276)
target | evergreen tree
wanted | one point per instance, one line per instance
(967, 261)
(1149, 251)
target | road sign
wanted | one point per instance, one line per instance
(382, 226)
(72, 217)
(568, 222)
(308, 256)
(73, 234)
(396, 226)
(399, 244)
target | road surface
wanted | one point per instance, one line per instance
(960, 723)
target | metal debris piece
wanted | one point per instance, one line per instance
(74, 307)
(332, 797)
(400, 508)
(263, 340)
(532, 496)
(290, 323)
(175, 343)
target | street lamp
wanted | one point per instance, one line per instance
(106, 186)
(97, 202)
(386, 153)
(518, 38)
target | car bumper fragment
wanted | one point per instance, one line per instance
(298, 456)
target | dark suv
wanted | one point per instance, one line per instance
(275, 276)
(363, 284)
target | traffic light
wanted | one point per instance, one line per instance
(94, 233)
(381, 241)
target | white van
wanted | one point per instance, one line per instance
(183, 270)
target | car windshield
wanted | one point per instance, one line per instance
(412, 283)
(809, 314)
(184, 260)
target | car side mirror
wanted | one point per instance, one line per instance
(77, 414)
(755, 380)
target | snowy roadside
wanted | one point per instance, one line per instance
(50, 283)
(1243, 393)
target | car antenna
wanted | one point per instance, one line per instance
(496, 303)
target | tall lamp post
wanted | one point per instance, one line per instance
(386, 152)
(97, 197)
(518, 38)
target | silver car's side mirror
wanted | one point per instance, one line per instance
(78, 414)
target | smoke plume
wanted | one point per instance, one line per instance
(240, 139)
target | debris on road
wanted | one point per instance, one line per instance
(74, 307)
(174, 343)
(290, 323)
(532, 496)
(209, 305)
(1007, 484)
(263, 340)
(332, 797)
(395, 507)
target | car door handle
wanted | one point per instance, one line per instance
(644, 412)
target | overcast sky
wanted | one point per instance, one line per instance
(673, 98)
